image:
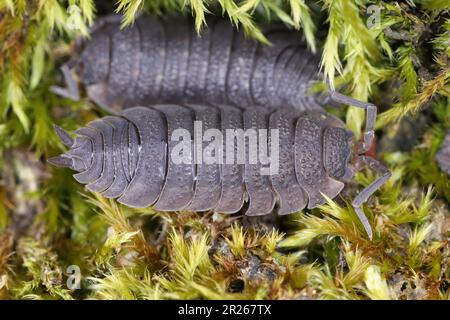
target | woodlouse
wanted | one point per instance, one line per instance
(163, 60)
(126, 156)
(443, 155)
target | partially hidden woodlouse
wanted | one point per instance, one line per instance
(126, 156)
(164, 60)
(443, 155)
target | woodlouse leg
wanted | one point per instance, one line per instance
(72, 91)
(371, 114)
(363, 196)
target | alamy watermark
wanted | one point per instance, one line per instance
(231, 146)
(374, 19)
(73, 277)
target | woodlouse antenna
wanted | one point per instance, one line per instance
(363, 196)
(371, 115)
(361, 161)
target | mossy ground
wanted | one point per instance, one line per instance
(50, 228)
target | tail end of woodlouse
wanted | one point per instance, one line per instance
(61, 161)
(67, 140)
(71, 91)
(64, 136)
(78, 155)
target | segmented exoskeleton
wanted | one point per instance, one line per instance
(128, 156)
(164, 60)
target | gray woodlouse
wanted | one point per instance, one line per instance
(443, 155)
(125, 156)
(163, 60)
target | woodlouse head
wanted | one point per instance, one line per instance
(338, 147)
